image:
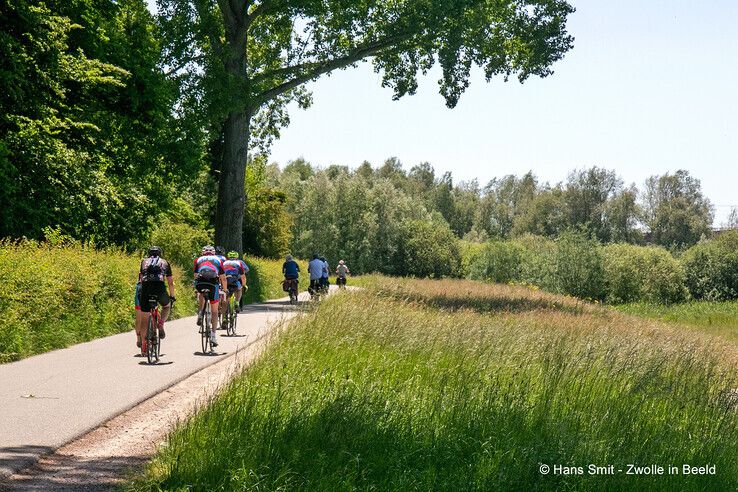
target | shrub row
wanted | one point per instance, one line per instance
(54, 296)
(617, 273)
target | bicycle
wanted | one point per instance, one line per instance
(292, 290)
(230, 316)
(205, 330)
(341, 282)
(153, 342)
(316, 290)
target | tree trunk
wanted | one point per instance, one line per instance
(231, 194)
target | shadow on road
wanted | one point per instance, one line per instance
(64, 472)
(18, 457)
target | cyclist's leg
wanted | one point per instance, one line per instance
(138, 327)
(214, 307)
(166, 306)
(200, 303)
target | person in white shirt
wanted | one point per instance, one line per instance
(315, 269)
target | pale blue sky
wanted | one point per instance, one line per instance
(650, 87)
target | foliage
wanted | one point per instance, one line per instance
(498, 261)
(180, 243)
(266, 228)
(675, 211)
(247, 61)
(712, 268)
(88, 143)
(579, 267)
(647, 274)
(372, 392)
(429, 249)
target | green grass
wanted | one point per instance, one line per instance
(714, 318)
(373, 391)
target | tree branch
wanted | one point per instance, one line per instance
(316, 69)
(263, 8)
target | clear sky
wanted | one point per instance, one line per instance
(651, 86)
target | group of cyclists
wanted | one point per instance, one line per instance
(217, 277)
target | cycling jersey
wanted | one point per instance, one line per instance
(291, 269)
(209, 266)
(154, 269)
(233, 270)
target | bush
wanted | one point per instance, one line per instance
(181, 243)
(538, 266)
(499, 262)
(636, 273)
(469, 251)
(430, 249)
(579, 266)
(711, 268)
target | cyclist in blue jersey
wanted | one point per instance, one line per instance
(235, 271)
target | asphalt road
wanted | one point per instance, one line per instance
(53, 398)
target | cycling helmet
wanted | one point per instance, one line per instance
(220, 250)
(288, 258)
(233, 254)
(208, 250)
(154, 251)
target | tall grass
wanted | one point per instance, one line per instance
(718, 318)
(374, 392)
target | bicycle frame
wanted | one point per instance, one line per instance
(153, 343)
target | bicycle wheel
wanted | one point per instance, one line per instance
(205, 330)
(226, 321)
(151, 341)
(231, 323)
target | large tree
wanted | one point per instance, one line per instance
(247, 59)
(675, 211)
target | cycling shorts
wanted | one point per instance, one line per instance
(153, 289)
(214, 295)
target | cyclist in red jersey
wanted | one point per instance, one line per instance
(209, 274)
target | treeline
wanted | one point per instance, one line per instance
(670, 210)
(386, 219)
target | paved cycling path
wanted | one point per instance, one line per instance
(52, 398)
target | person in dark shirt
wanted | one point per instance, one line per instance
(290, 269)
(155, 275)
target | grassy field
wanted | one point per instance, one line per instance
(714, 318)
(52, 297)
(456, 385)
